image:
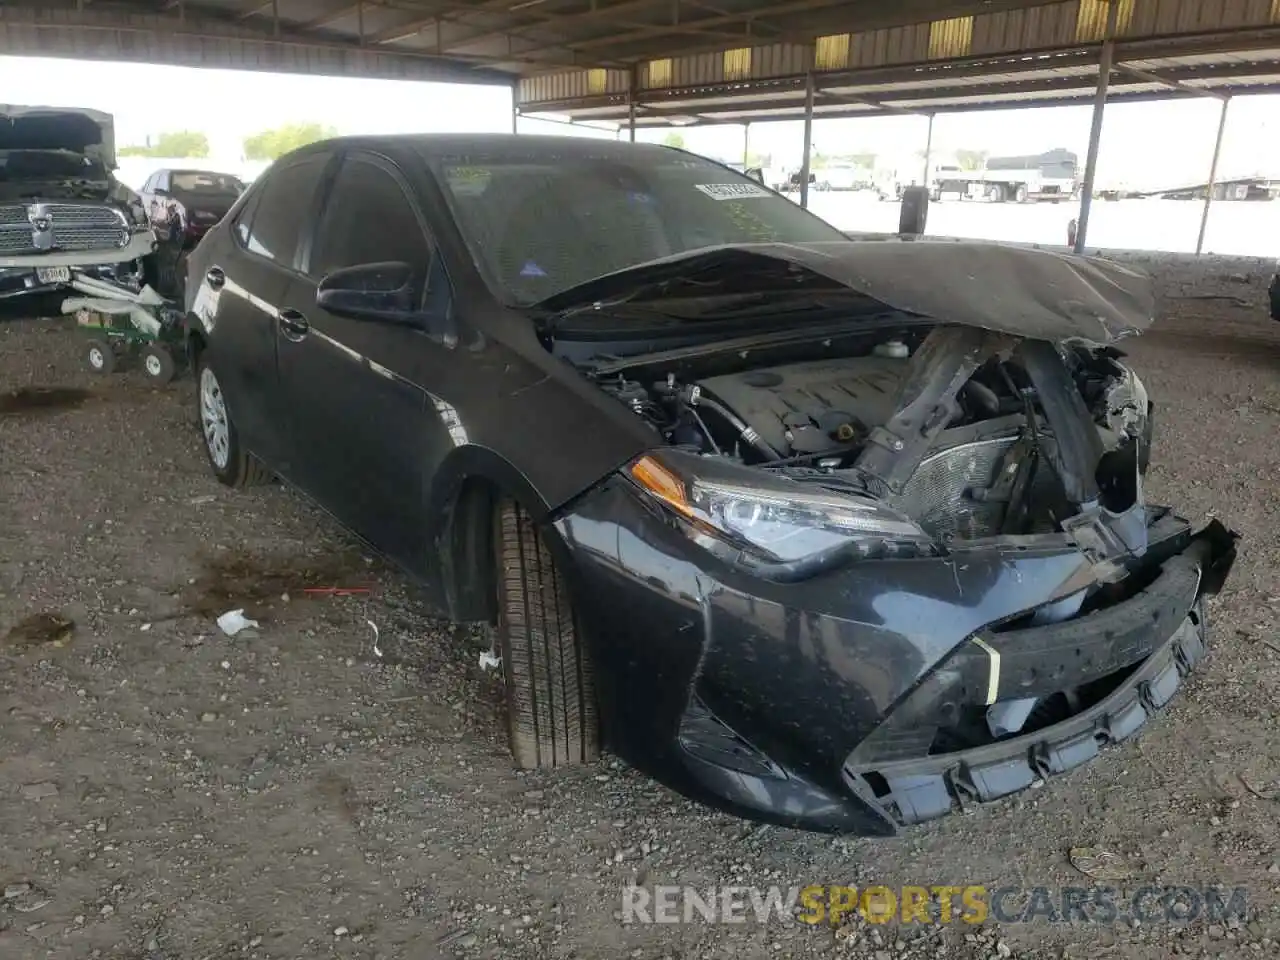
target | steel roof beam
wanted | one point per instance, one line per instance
(1172, 84)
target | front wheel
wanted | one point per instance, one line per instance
(99, 357)
(550, 690)
(232, 464)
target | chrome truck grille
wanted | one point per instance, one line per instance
(51, 227)
(937, 497)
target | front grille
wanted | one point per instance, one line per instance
(49, 227)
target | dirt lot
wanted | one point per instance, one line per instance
(167, 792)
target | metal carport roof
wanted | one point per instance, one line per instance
(482, 40)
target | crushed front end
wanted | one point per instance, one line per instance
(940, 585)
(66, 222)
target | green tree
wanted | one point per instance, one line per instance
(172, 143)
(674, 139)
(270, 144)
(971, 159)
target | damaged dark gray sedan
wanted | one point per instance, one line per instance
(842, 535)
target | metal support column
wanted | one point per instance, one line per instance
(808, 139)
(928, 151)
(746, 144)
(1213, 174)
(1095, 131)
(631, 104)
(515, 113)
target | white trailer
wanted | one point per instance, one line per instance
(1048, 177)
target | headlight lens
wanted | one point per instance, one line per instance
(783, 519)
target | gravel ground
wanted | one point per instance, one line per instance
(167, 792)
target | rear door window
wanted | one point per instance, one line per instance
(282, 210)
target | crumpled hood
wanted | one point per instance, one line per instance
(80, 130)
(1039, 294)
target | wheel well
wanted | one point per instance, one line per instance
(194, 345)
(467, 559)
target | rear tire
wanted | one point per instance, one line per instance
(550, 692)
(232, 465)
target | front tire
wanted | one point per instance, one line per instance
(550, 691)
(232, 464)
(99, 357)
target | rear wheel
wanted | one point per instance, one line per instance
(550, 693)
(232, 464)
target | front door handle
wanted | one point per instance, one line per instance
(216, 277)
(294, 324)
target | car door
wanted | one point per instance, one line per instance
(248, 273)
(366, 416)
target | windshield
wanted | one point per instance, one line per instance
(193, 182)
(538, 223)
(49, 165)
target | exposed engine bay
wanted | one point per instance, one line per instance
(959, 429)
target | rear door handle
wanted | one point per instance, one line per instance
(293, 324)
(216, 277)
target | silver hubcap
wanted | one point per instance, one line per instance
(96, 359)
(213, 418)
(153, 366)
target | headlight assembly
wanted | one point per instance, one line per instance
(778, 519)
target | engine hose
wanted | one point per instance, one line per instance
(695, 398)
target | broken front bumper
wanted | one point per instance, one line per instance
(825, 703)
(1160, 633)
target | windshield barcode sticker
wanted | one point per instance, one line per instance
(731, 191)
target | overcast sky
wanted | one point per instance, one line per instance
(1166, 142)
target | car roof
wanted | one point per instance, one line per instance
(434, 146)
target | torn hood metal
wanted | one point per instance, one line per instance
(77, 129)
(1023, 291)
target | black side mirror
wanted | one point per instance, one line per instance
(390, 292)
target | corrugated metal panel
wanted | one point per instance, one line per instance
(697, 70)
(551, 87)
(878, 48)
(779, 60)
(950, 38)
(1035, 28)
(737, 64)
(831, 53)
(573, 84)
(1091, 20)
(656, 74)
(1163, 17)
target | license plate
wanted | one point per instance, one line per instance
(53, 274)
